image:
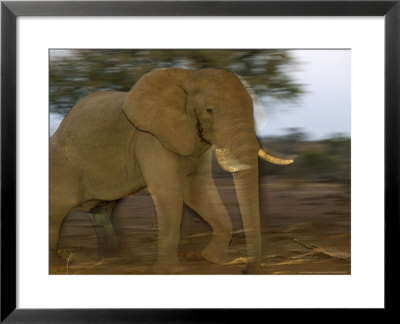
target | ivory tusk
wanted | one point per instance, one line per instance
(221, 160)
(272, 159)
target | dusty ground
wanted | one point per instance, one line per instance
(305, 230)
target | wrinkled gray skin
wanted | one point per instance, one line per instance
(159, 135)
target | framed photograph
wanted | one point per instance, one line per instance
(160, 159)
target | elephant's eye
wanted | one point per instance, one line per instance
(209, 110)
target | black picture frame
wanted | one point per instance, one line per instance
(10, 10)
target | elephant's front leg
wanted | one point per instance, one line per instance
(169, 204)
(202, 196)
(163, 172)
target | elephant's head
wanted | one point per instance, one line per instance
(190, 110)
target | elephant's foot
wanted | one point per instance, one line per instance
(168, 266)
(217, 252)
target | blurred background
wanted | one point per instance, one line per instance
(304, 95)
(303, 108)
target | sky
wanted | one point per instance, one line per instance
(325, 108)
(322, 111)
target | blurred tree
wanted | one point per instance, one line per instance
(76, 73)
(295, 134)
(322, 160)
(288, 142)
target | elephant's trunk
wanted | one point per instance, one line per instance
(246, 184)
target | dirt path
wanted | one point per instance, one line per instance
(305, 230)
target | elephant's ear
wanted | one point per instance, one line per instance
(157, 104)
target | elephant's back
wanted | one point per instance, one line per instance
(94, 129)
(92, 113)
(92, 119)
(95, 139)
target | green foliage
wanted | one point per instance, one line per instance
(317, 160)
(324, 160)
(76, 73)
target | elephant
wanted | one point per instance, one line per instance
(160, 135)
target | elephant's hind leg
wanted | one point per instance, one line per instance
(57, 215)
(105, 230)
